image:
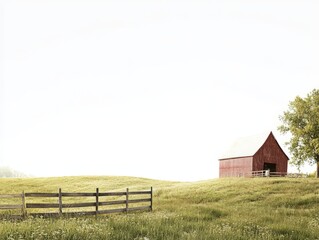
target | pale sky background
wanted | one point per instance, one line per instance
(156, 89)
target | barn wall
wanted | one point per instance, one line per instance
(235, 167)
(270, 152)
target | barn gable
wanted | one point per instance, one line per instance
(246, 146)
(254, 153)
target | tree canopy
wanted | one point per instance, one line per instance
(301, 120)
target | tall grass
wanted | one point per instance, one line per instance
(267, 208)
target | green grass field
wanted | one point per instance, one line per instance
(259, 208)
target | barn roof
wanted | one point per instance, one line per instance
(246, 147)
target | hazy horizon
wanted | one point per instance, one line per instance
(155, 89)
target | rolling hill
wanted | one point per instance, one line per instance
(241, 208)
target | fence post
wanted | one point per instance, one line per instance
(23, 205)
(97, 201)
(126, 202)
(60, 201)
(151, 199)
(267, 173)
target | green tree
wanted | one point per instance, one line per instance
(301, 120)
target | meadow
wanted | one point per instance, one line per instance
(241, 208)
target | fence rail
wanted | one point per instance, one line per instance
(61, 205)
(17, 206)
(265, 173)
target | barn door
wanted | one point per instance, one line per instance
(270, 166)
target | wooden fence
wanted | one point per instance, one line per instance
(17, 206)
(31, 203)
(267, 173)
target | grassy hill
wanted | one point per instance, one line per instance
(260, 208)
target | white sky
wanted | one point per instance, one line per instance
(156, 89)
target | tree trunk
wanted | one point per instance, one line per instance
(316, 158)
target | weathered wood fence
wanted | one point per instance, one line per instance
(30, 203)
(19, 206)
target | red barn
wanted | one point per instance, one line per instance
(255, 153)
